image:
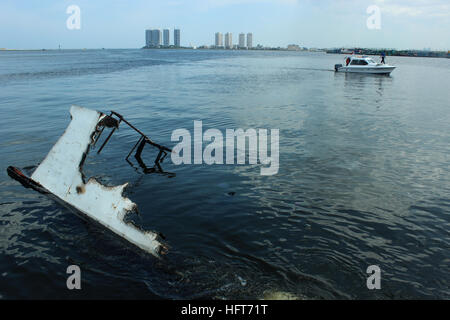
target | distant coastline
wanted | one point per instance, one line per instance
(56, 49)
(359, 51)
(5, 49)
(236, 48)
(392, 52)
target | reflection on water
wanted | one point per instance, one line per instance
(364, 176)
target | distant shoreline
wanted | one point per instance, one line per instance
(392, 52)
(371, 52)
(6, 49)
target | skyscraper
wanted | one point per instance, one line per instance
(219, 40)
(176, 37)
(155, 38)
(228, 40)
(241, 40)
(249, 40)
(148, 38)
(166, 37)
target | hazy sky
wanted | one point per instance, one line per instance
(414, 24)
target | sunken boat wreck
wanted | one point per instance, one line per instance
(60, 176)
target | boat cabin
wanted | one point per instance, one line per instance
(359, 61)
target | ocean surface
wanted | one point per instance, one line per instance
(364, 176)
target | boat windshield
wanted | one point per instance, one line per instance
(358, 62)
(370, 61)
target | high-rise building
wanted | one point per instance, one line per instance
(219, 40)
(176, 38)
(148, 38)
(249, 40)
(155, 38)
(228, 40)
(241, 40)
(166, 37)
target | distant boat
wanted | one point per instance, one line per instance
(363, 64)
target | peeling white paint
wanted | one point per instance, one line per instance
(60, 174)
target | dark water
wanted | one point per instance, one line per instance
(364, 176)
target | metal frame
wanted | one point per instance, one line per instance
(111, 121)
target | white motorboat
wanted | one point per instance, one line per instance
(363, 64)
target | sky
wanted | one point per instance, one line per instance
(403, 24)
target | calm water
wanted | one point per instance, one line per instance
(364, 176)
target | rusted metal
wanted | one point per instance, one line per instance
(149, 141)
(106, 140)
(111, 122)
(97, 135)
(131, 151)
(24, 180)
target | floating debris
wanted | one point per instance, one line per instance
(242, 281)
(279, 295)
(60, 176)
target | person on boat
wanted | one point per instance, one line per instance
(347, 61)
(383, 55)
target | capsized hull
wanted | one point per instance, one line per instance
(59, 175)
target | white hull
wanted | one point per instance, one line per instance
(373, 70)
(60, 174)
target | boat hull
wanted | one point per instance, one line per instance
(371, 70)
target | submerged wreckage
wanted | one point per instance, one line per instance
(60, 175)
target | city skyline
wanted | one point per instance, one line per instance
(413, 24)
(243, 41)
(156, 38)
